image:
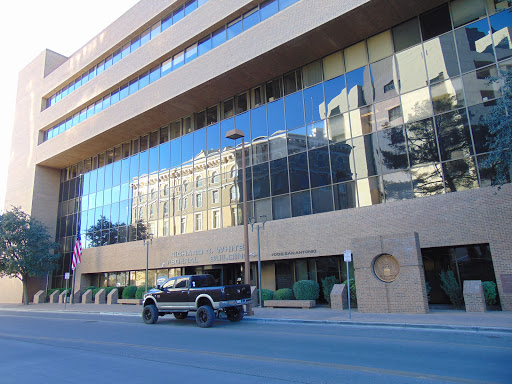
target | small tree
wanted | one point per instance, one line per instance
(26, 248)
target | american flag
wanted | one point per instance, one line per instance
(77, 251)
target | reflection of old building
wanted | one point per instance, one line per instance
(361, 134)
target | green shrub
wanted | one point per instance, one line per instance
(95, 291)
(327, 286)
(283, 294)
(306, 290)
(92, 287)
(452, 288)
(353, 292)
(140, 292)
(266, 294)
(50, 291)
(491, 296)
(129, 292)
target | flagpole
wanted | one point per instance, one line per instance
(77, 234)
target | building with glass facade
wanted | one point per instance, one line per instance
(361, 118)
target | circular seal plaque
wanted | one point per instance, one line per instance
(386, 268)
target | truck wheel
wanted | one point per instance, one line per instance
(180, 315)
(235, 313)
(205, 316)
(150, 314)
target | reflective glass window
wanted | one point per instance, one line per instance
(370, 191)
(190, 6)
(453, 134)
(250, 19)
(416, 105)
(393, 150)
(482, 138)
(489, 170)
(178, 14)
(441, 58)
(115, 57)
(345, 195)
(411, 69)
(301, 204)
(336, 96)
(218, 37)
(225, 126)
(143, 163)
(228, 108)
(464, 11)
(360, 89)
(474, 45)
(333, 65)
(212, 115)
(155, 30)
(259, 123)
(477, 87)
(274, 89)
(314, 103)
(234, 28)
(447, 95)
(261, 181)
(338, 128)
(365, 149)
(384, 79)
(397, 186)
(243, 123)
(166, 67)
(421, 142)
(427, 180)
(275, 112)
(175, 153)
(134, 86)
(361, 121)
(166, 22)
(241, 103)
(191, 53)
(501, 25)
(460, 175)
(294, 111)
(204, 46)
(178, 60)
(319, 167)
(297, 140)
(187, 148)
(380, 46)
(388, 113)
(406, 35)
(299, 176)
(435, 22)
(292, 82)
(279, 176)
(321, 200)
(154, 74)
(281, 207)
(312, 73)
(356, 56)
(342, 162)
(125, 50)
(124, 91)
(268, 8)
(317, 134)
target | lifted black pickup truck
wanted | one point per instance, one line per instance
(182, 294)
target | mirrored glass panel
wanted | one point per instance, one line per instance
(384, 79)
(335, 96)
(460, 175)
(301, 204)
(474, 45)
(416, 105)
(342, 161)
(453, 135)
(299, 176)
(447, 95)
(393, 151)
(366, 155)
(427, 180)
(321, 199)
(388, 113)
(345, 196)
(397, 186)
(411, 69)
(441, 58)
(477, 87)
(338, 128)
(370, 191)
(421, 142)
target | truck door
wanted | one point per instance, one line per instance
(178, 295)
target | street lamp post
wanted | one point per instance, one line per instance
(238, 134)
(263, 219)
(148, 239)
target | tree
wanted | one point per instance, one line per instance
(499, 125)
(26, 248)
(104, 232)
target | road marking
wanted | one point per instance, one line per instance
(279, 360)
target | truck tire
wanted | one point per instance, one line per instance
(235, 313)
(150, 314)
(205, 316)
(180, 315)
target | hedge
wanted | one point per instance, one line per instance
(306, 290)
(129, 292)
(328, 285)
(140, 292)
(283, 294)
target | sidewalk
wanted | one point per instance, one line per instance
(490, 321)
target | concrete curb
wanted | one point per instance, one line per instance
(396, 325)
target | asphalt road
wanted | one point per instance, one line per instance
(86, 348)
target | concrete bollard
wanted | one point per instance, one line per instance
(339, 297)
(87, 297)
(62, 296)
(54, 297)
(99, 298)
(113, 296)
(474, 298)
(39, 297)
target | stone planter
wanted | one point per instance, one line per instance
(304, 304)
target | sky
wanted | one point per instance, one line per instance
(29, 27)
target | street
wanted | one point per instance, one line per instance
(92, 348)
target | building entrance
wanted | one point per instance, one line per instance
(467, 262)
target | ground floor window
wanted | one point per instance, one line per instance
(467, 262)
